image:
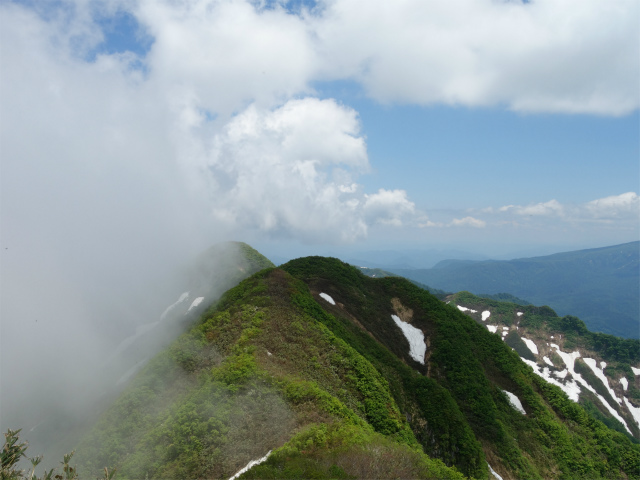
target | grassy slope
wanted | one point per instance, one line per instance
(258, 373)
(556, 439)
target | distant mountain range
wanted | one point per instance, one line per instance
(600, 285)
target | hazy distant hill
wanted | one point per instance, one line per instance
(601, 285)
(319, 371)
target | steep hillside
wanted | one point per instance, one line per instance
(255, 375)
(330, 374)
(601, 285)
(597, 370)
(54, 431)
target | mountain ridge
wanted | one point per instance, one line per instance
(319, 343)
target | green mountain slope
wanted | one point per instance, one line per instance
(601, 286)
(595, 369)
(306, 362)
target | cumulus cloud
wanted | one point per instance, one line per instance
(468, 222)
(552, 207)
(619, 211)
(388, 207)
(290, 172)
(615, 206)
(572, 56)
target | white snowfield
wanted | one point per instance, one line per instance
(571, 388)
(635, 412)
(486, 314)
(569, 360)
(465, 309)
(328, 298)
(492, 328)
(547, 360)
(182, 298)
(251, 464)
(519, 314)
(561, 374)
(493, 472)
(532, 346)
(636, 371)
(417, 347)
(599, 372)
(515, 402)
(625, 383)
(195, 303)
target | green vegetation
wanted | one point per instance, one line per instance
(505, 297)
(332, 391)
(556, 439)
(250, 376)
(14, 450)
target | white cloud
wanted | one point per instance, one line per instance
(289, 172)
(468, 222)
(387, 207)
(577, 56)
(228, 53)
(552, 207)
(615, 206)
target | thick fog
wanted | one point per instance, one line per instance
(114, 178)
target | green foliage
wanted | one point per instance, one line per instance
(514, 341)
(504, 297)
(340, 450)
(333, 391)
(557, 438)
(13, 451)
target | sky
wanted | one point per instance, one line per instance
(481, 124)
(136, 133)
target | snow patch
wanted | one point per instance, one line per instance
(515, 402)
(571, 388)
(625, 383)
(519, 314)
(486, 314)
(493, 472)
(492, 328)
(548, 361)
(465, 309)
(251, 464)
(417, 347)
(635, 412)
(614, 412)
(569, 360)
(182, 298)
(328, 298)
(195, 303)
(532, 346)
(636, 371)
(600, 374)
(603, 365)
(561, 374)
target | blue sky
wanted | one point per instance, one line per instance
(318, 125)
